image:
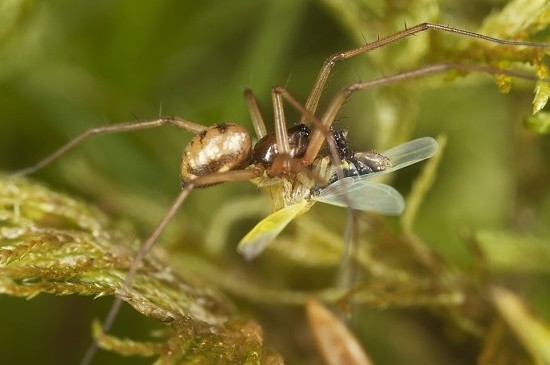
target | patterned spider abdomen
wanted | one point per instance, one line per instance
(219, 148)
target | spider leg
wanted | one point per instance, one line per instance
(114, 128)
(234, 175)
(255, 114)
(348, 264)
(319, 126)
(281, 135)
(282, 163)
(145, 248)
(317, 136)
(319, 85)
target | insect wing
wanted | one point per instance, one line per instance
(269, 228)
(362, 194)
(409, 153)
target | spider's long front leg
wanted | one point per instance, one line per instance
(319, 85)
(317, 136)
(114, 128)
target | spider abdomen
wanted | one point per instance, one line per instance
(219, 148)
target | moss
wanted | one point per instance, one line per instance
(54, 244)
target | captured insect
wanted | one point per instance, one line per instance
(301, 164)
(355, 189)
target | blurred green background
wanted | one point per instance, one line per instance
(66, 66)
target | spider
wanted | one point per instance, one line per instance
(292, 160)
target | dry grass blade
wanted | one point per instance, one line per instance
(531, 331)
(335, 342)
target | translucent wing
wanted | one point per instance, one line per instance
(409, 153)
(268, 228)
(362, 194)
